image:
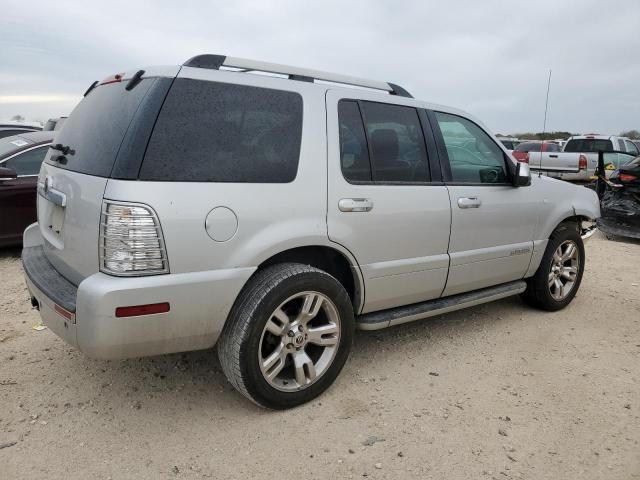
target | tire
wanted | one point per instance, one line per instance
(257, 313)
(540, 292)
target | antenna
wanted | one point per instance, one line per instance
(544, 125)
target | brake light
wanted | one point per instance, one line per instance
(131, 240)
(525, 159)
(112, 79)
(582, 162)
(138, 310)
(626, 177)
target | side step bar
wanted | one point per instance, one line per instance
(431, 308)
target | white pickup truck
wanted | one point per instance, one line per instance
(579, 158)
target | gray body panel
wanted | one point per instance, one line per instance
(493, 243)
(413, 246)
(70, 232)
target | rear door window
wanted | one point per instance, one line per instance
(218, 132)
(397, 145)
(354, 153)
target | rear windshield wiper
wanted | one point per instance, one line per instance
(66, 150)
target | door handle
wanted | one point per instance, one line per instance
(553, 156)
(355, 205)
(54, 196)
(469, 202)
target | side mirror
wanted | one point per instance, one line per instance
(7, 173)
(522, 177)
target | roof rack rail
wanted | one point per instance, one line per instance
(294, 73)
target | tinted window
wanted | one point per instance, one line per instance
(96, 127)
(9, 133)
(621, 145)
(473, 156)
(27, 163)
(631, 148)
(218, 132)
(551, 147)
(508, 144)
(396, 142)
(588, 145)
(354, 156)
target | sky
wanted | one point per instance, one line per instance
(490, 58)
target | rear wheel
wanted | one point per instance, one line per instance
(288, 335)
(560, 272)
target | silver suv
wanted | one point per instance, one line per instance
(272, 214)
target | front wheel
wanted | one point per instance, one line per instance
(559, 275)
(287, 336)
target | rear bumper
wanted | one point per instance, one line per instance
(84, 316)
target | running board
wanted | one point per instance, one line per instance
(431, 308)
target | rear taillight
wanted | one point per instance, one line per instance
(582, 162)
(625, 177)
(131, 241)
(525, 159)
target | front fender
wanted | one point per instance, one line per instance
(562, 200)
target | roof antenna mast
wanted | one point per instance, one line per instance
(544, 125)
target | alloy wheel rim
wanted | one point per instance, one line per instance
(299, 341)
(564, 270)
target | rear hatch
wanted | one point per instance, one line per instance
(106, 135)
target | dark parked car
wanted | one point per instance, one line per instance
(10, 129)
(20, 159)
(620, 203)
(521, 152)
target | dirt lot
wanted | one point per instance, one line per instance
(498, 391)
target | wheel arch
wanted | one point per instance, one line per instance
(334, 260)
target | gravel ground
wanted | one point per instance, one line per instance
(497, 391)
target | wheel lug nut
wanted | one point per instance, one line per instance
(299, 328)
(290, 333)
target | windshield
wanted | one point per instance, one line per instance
(588, 145)
(10, 144)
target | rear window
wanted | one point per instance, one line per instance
(551, 147)
(10, 133)
(588, 145)
(96, 127)
(529, 147)
(218, 132)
